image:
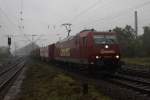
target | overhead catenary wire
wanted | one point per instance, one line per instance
(3, 12)
(118, 14)
(123, 12)
(2, 28)
(85, 10)
(9, 20)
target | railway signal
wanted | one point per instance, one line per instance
(9, 43)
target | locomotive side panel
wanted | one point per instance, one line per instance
(51, 49)
(75, 49)
(68, 50)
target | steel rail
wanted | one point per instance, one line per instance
(135, 83)
(8, 75)
(10, 67)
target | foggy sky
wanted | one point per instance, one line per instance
(44, 18)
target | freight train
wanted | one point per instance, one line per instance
(88, 47)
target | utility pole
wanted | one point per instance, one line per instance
(33, 39)
(68, 28)
(9, 43)
(136, 24)
(14, 42)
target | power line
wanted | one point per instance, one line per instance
(85, 10)
(10, 21)
(7, 17)
(142, 5)
(122, 12)
(4, 30)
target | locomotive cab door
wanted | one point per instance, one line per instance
(77, 48)
(84, 49)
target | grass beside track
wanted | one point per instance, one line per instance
(138, 61)
(44, 82)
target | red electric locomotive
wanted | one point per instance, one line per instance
(90, 47)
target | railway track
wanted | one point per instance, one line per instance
(136, 70)
(8, 74)
(10, 66)
(137, 84)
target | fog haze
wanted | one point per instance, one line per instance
(44, 18)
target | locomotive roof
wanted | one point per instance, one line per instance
(85, 33)
(109, 33)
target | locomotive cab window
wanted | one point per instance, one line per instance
(105, 39)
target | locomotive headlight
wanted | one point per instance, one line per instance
(92, 63)
(106, 46)
(117, 56)
(97, 57)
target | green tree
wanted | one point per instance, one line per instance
(126, 39)
(132, 46)
(146, 40)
